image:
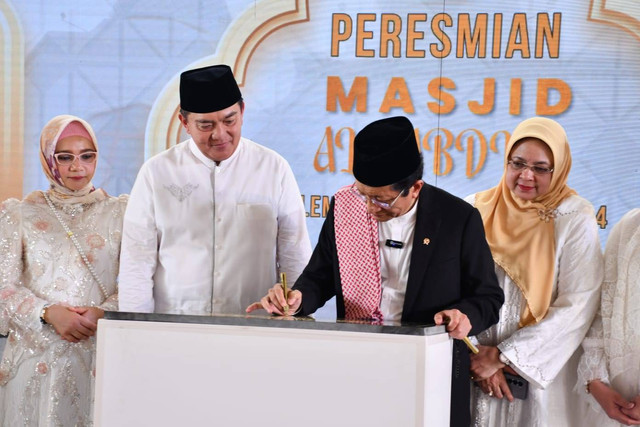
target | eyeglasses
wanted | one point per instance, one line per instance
(88, 157)
(204, 126)
(517, 165)
(209, 125)
(366, 199)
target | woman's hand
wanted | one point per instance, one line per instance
(633, 412)
(496, 386)
(485, 363)
(615, 406)
(69, 324)
(91, 313)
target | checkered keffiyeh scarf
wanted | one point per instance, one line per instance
(358, 257)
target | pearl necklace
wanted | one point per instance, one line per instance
(73, 238)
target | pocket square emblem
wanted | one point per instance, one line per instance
(181, 193)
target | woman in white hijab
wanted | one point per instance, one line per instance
(59, 254)
(609, 370)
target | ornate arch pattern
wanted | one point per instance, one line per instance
(235, 49)
(599, 12)
(11, 102)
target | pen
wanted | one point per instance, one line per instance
(283, 280)
(469, 344)
(467, 341)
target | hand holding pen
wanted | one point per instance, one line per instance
(283, 282)
(458, 326)
(280, 300)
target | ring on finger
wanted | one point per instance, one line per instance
(490, 393)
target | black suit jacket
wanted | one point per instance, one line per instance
(451, 268)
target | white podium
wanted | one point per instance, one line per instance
(174, 370)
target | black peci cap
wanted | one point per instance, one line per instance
(208, 89)
(385, 152)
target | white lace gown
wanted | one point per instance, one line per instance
(45, 380)
(546, 353)
(612, 345)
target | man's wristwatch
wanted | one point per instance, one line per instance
(504, 359)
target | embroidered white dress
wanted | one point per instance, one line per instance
(546, 353)
(201, 238)
(45, 380)
(612, 345)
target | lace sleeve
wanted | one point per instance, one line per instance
(19, 307)
(593, 364)
(111, 303)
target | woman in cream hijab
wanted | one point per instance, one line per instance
(609, 370)
(58, 261)
(545, 245)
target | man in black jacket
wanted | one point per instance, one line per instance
(393, 248)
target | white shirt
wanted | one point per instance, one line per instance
(395, 262)
(201, 239)
(545, 353)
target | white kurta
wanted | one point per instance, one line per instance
(201, 239)
(45, 380)
(612, 345)
(545, 353)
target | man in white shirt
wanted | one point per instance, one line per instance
(211, 221)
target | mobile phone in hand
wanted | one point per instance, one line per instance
(519, 386)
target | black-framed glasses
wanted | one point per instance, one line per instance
(519, 166)
(380, 204)
(88, 157)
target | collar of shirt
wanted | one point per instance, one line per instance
(210, 163)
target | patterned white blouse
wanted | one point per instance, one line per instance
(45, 380)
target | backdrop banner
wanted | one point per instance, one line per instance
(315, 72)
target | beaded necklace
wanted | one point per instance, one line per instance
(73, 238)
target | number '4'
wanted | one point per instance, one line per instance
(601, 217)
